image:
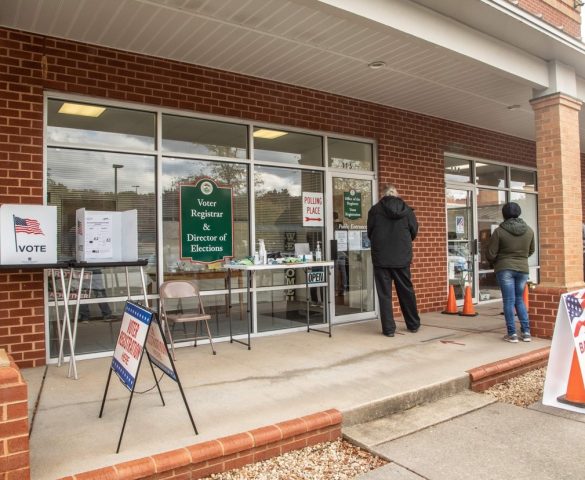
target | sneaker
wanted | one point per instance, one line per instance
(511, 338)
(526, 337)
(389, 334)
(413, 330)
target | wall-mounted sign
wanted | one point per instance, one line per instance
(290, 238)
(352, 205)
(312, 209)
(28, 234)
(206, 228)
(459, 224)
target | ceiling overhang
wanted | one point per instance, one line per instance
(468, 62)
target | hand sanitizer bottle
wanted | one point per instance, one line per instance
(262, 252)
(318, 252)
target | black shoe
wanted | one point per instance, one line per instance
(388, 334)
(413, 330)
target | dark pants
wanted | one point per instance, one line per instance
(406, 297)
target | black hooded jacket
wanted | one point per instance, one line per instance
(392, 226)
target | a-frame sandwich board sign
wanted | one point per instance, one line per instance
(568, 347)
(130, 348)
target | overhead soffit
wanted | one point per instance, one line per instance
(297, 42)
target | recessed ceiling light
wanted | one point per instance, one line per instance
(513, 107)
(81, 109)
(269, 134)
(377, 64)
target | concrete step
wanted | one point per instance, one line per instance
(375, 432)
(372, 434)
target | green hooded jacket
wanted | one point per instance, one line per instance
(510, 246)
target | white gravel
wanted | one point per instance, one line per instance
(521, 391)
(337, 460)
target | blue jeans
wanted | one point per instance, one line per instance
(512, 284)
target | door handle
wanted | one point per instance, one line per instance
(474, 247)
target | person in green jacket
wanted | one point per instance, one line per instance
(508, 250)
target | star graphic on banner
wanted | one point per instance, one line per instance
(574, 306)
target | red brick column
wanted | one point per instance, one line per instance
(14, 449)
(559, 206)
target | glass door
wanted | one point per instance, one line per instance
(353, 280)
(461, 241)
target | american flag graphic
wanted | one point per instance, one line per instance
(27, 225)
(574, 303)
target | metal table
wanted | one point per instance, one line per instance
(82, 266)
(252, 269)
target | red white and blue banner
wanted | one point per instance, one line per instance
(158, 351)
(130, 345)
(568, 337)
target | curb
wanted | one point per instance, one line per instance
(405, 401)
(486, 376)
(234, 451)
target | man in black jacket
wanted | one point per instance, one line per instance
(392, 226)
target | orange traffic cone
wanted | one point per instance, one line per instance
(451, 307)
(468, 310)
(575, 389)
(525, 296)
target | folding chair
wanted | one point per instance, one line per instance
(181, 291)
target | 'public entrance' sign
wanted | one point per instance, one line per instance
(206, 222)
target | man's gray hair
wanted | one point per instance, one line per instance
(390, 191)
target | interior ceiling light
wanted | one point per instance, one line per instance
(513, 107)
(377, 64)
(82, 110)
(269, 134)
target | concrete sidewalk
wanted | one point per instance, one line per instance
(492, 440)
(282, 377)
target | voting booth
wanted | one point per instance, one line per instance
(106, 236)
(28, 234)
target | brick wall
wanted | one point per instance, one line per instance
(14, 446)
(411, 146)
(223, 454)
(486, 376)
(559, 13)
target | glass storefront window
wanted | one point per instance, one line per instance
(350, 155)
(490, 175)
(128, 186)
(457, 170)
(529, 205)
(177, 171)
(204, 137)
(280, 309)
(131, 185)
(523, 180)
(90, 125)
(279, 213)
(288, 147)
(489, 216)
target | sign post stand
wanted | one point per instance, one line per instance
(136, 338)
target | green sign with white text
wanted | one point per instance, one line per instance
(352, 205)
(206, 222)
